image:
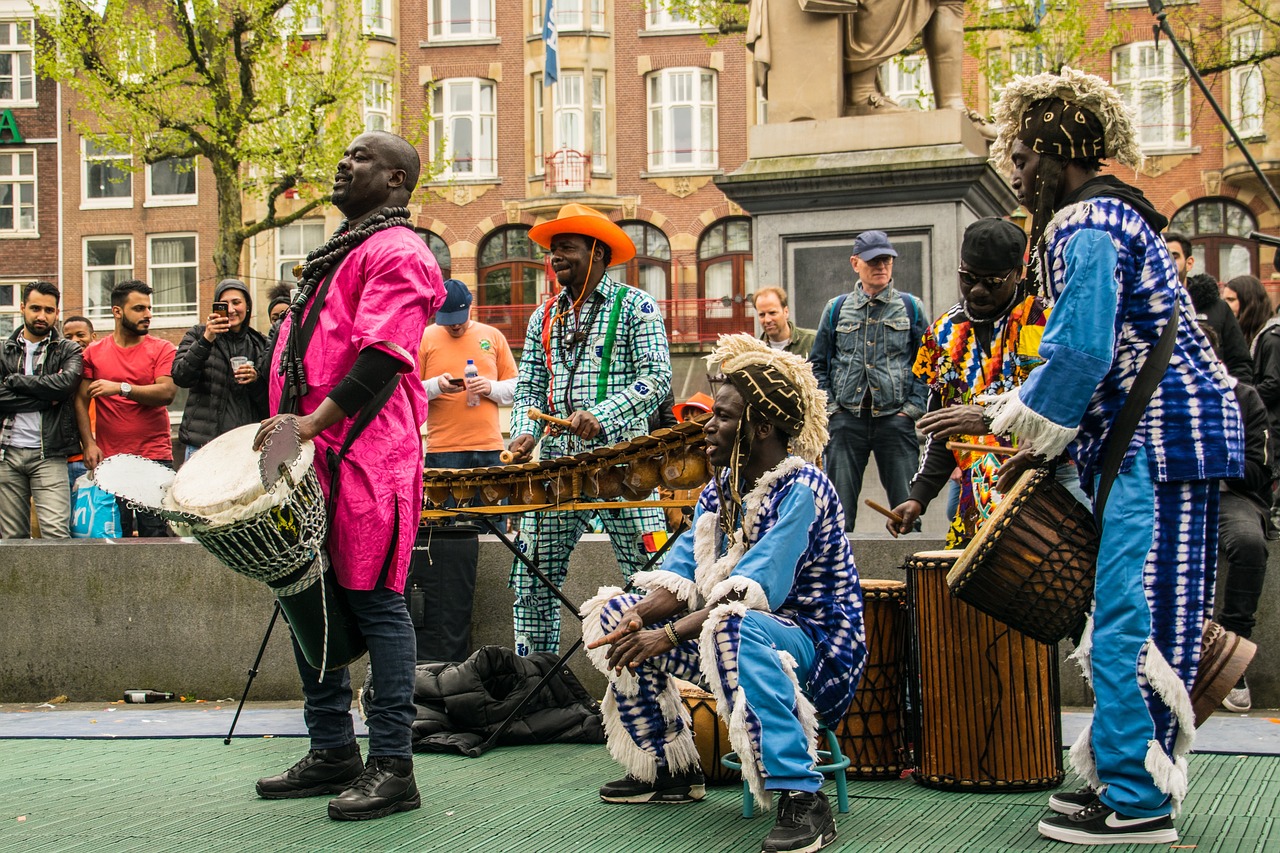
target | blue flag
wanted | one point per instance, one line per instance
(551, 41)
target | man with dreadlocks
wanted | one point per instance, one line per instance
(761, 602)
(1097, 250)
(596, 355)
(345, 371)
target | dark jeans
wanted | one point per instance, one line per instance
(462, 459)
(1242, 554)
(145, 524)
(892, 438)
(393, 653)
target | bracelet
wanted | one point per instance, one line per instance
(672, 635)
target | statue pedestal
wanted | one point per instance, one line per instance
(812, 186)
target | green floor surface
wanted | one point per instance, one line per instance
(197, 795)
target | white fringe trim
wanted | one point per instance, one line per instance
(634, 760)
(681, 753)
(1170, 774)
(1081, 758)
(678, 585)
(733, 713)
(805, 711)
(1083, 655)
(592, 631)
(1010, 416)
(753, 593)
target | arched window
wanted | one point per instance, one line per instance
(650, 269)
(439, 248)
(511, 273)
(724, 272)
(1219, 229)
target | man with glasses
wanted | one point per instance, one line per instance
(863, 356)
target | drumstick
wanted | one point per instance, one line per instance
(887, 513)
(506, 457)
(536, 415)
(981, 448)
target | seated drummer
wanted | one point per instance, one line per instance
(761, 602)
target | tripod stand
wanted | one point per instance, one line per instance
(253, 671)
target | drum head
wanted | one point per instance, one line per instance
(224, 474)
(977, 547)
(142, 481)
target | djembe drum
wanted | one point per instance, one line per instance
(710, 735)
(985, 696)
(872, 734)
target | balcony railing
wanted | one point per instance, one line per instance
(566, 171)
(686, 320)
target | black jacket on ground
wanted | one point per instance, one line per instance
(217, 403)
(48, 391)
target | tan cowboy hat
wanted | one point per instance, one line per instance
(576, 218)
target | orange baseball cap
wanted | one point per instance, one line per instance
(699, 402)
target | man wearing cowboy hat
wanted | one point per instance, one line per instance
(595, 354)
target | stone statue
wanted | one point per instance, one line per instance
(869, 32)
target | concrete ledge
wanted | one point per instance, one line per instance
(91, 618)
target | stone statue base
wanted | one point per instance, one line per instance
(812, 186)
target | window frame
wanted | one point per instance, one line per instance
(1207, 245)
(898, 71)
(590, 16)
(1172, 86)
(658, 18)
(103, 310)
(1241, 77)
(16, 49)
(377, 18)
(738, 314)
(482, 22)
(18, 180)
(173, 200)
(661, 152)
(632, 274)
(160, 316)
(385, 110)
(442, 117)
(282, 257)
(88, 202)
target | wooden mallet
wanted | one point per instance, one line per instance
(507, 457)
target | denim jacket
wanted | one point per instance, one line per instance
(874, 345)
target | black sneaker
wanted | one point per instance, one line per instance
(1098, 823)
(386, 786)
(321, 771)
(1070, 802)
(686, 787)
(804, 824)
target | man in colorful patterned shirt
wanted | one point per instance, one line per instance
(761, 602)
(596, 355)
(1097, 249)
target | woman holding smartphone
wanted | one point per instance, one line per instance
(216, 361)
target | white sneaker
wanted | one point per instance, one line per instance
(1238, 700)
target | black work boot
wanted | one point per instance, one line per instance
(804, 824)
(386, 786)
(321, 771)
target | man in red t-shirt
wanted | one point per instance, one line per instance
(130, 376)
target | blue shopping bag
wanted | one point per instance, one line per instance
(97, 516)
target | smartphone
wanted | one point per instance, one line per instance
(458, 383)
(220, 308)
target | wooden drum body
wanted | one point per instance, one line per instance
(986, 696)
(710, 736)
(873, 732)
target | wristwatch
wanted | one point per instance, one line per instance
(125, 390)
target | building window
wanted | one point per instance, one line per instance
(599, 142)
(17, 192)
(377, 17)
(907, 82)
(172, 182)
(1248, 92)
(1219, 229)
(107, 179)
(107, 262)
(302, 18)
(571, 15)
(511, 273)
(1154, 85)
(659, 17)
(17, 78)
(171, 265)
(294, 242)
(539, 110)
(460, 19)
(10, 297)
(724, 271)
(440, 249)
(377, 104)
(463, 128)
(1027, 61)
(650, 269)
(682, 119)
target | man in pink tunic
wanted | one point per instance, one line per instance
(344, 352)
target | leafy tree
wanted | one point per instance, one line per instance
(266, 91)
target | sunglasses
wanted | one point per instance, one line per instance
(987, 281)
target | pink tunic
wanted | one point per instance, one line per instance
(384, 294)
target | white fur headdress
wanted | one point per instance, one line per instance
(734, 353)
(1088, 91)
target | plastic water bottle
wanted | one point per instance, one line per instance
(473, 397)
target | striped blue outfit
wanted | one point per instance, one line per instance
(785, 656)
(1115, 287)
(623, 327)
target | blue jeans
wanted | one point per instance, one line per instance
(462, 459)
(853, 439)
(383, 618)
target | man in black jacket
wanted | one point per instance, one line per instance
(1211, 310)
(218, 361)
(39, 373)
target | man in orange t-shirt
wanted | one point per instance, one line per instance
(461, 435)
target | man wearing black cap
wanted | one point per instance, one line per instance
(862, 355)
(462, 433)
(218, 361)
